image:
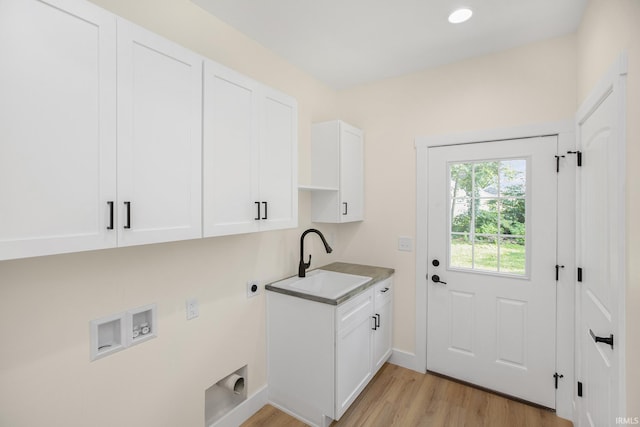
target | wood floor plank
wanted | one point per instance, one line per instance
(399, 397)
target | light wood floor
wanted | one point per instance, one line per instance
(404, 398)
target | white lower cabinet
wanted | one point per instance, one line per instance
(321, 356)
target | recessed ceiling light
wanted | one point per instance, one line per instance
(460, 15)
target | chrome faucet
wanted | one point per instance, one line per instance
(302, 267)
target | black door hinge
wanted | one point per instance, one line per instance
(558, 267)
(579, 274)
(556, 376)
(558, 163)
(579, 389)
(578, 156)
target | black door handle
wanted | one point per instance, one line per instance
(436, 279)
(128, 224)
(110, 226)
(258, 217)
(346, 208)
(265, 210)
(375, 323)
(604, 340)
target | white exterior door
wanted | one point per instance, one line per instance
(600, 253)
(159, 139)
(492, 254)
(57, 127)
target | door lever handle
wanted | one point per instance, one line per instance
(436, 279)
(604, 340)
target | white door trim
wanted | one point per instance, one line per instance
(613, 81)
(566, 244)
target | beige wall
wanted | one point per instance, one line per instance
(46, 303)
(531, 84)
(607, 28)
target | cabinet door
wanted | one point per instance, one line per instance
(57, 127)
(351, 174)
(159, 139)
(382, 337)
(230, 175)
(354, 336)
(278, 161)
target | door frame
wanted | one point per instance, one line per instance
(565, 296)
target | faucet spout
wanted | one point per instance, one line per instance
(302, 266)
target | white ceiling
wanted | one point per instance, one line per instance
(350, 42)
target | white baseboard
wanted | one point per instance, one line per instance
(245, 410)
(406, 360)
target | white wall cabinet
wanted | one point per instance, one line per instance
(337, 162)
(321, 356)
(57, 127)
(68, 96)
(101, 137)
(250, 155)
(159, 139)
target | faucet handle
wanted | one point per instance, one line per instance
(307, 264)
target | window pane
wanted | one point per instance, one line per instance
(460, 179)
(512, 255)
(486, 253)
(512, 217)
(487, 213)
(460, 215)
(461, 251)
(513, 178)
(486, 179)
(486, 216)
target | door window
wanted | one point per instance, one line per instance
(487, 220)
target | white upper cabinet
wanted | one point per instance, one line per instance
(250, 155)
(337, 162)
(278, 160)
(159, 139)
(57, 127)
(101, 137)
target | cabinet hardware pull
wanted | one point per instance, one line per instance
(346, 208)
(128, 224)
(382, 291)
(377, 320)
(375, 323)
(258, 217)
(265, 210)
(110, 226)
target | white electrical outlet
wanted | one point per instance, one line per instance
(193, 310)
(253, 288)
(405, 244)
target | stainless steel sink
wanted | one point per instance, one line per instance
(323, 283)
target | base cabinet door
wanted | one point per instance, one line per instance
(383, 333)
(354, 343)
(57, 127)
(159, 139)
